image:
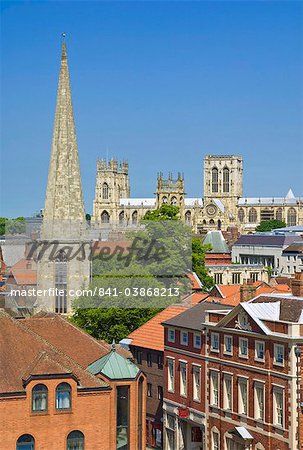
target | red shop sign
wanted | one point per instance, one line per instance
(183, 413)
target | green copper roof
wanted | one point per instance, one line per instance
(217, 242)
(114, 367)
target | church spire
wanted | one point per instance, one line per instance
(64, 200)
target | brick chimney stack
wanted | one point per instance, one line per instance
(296, 284)
(247, 291)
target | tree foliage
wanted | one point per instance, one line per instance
(268, 225)
(165, 212)
(198, 262)
(12, 226)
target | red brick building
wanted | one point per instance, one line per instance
(62, 389)
(231, 377)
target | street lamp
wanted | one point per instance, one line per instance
(297, 354)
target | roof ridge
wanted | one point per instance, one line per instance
(54, 348)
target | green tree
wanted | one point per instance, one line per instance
(112, 323)
(165, 212)
(198, 262)
(3, 221)
(268, 225)
(15, 226)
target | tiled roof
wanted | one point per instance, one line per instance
(24, 272)
(151, 334)
(266, 239)
(196, 282)
(193, 317)
(20, 347)
(290, 307)
(230, 294)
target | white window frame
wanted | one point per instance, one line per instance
(241, 355)
(242, 405)
(228, 352)
(227, 403)
(196, 390)
(212, 338)
(256, 351)
(197, 335)
(214, 399)
(280, 391)
(276, 362)
(215, 432)
(170, 375)
(257, 410)
(183, 383)
(171, 330)
(183, 334)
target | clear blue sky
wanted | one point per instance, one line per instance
(160, 84)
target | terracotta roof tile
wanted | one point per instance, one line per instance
(151, 334)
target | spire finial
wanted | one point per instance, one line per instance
(113, 346)
(63, 36)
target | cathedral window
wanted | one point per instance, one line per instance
(241, 215)
(215, 180)
(164, 199)
(252, 215)
(121, 218)
(279, 214)
(105, 217)
(174, 201)
(134, 217)
(267, 214)
(188, 217)
(291, 217)
(105, 191)
(225, 179)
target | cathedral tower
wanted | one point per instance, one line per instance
(223, 177)
(171, 191)
(64, 215)
(112, 184)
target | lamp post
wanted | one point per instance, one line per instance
(297, 354)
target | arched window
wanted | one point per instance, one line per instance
(164, 199)
(204, 222)
(291, 217)
(215, 180)
(241, 215)
(105, 191)
(252, 215)
(279, 214)
(134, 217)
(215, 439)
(211, 222)
(39, 397)
(188, 217)
(259, 446)
(219, 224)
(105, 217)
(225, 179)
(26, 442)
(174, 201)
(75, 440)
(63, 396)
(121, 218)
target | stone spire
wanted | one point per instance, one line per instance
(64, 200)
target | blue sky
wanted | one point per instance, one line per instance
(160, 84)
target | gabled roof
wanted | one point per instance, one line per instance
(217, 242)
(151, 334)
(24, 272)
(21, 347)
(114, 367)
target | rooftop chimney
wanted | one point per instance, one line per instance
(296, 284)
(247, 291)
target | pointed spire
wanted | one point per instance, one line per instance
(290, 194)
(64, 200)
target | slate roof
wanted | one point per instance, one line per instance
(193, 317)
(266, 240)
